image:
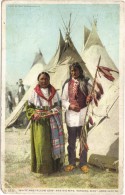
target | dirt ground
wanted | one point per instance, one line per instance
(18, 174)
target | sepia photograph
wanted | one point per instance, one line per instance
(62, 97)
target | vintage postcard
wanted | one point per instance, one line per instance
(62, 97)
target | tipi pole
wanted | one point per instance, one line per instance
(83, 137)
(28, 127)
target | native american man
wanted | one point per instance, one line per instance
(75, 96)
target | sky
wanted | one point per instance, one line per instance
(31, 27)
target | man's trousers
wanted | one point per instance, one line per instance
(73, 134)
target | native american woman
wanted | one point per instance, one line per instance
(47, 139)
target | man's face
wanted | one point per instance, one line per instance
(44, 81)
(74, 72)
(20, 81)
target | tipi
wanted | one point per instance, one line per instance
(58, 67)
(103, 138)
(37, 67)
(30, 80)
(93, 48)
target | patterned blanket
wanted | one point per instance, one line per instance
(57, 136)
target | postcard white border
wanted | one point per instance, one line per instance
(121, 99)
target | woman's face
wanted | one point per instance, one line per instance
(44, 81)
(74, 72)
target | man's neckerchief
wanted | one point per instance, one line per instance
(52, 91)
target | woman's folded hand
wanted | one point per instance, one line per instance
(36, 116)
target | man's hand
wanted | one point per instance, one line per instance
(73, 107)
(89, 99)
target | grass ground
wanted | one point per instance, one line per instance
(18, 174)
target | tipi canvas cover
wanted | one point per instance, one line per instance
(103, 138)
(30, 80)
(37, 67)
(92, 50)
(65, 55)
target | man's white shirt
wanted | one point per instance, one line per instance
(73, 119)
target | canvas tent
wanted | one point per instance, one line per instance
(103, 138)
(37, 67)
(93, 48)
(30, 80)
(58, 67)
